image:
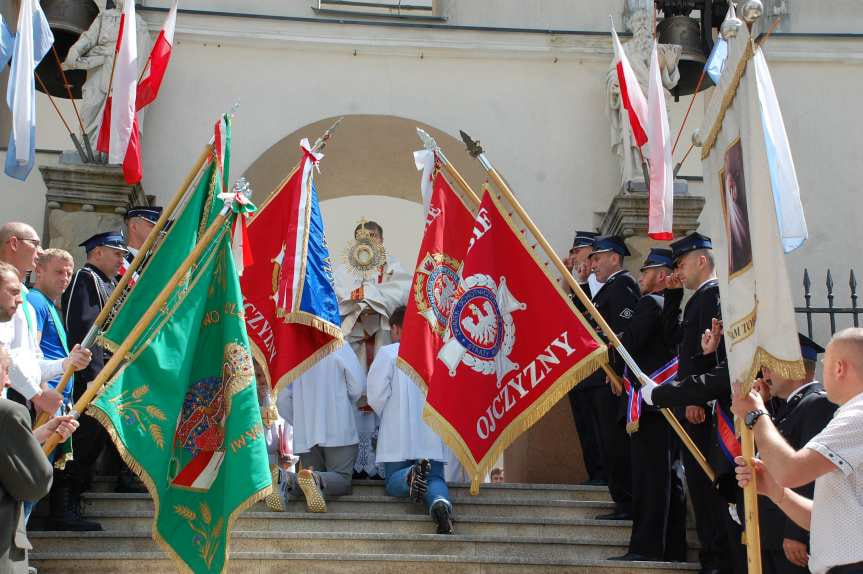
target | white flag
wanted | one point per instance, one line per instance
(757, 309)
(124, 87)
(661, 195)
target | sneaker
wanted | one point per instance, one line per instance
(277, 500)
(418, 479)
(312, 491)
(442, 516)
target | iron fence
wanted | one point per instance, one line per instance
(831, 310)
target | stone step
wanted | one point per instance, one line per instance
(487, 491)
(372, 522)
(280, 562)
(515, 506)
(463, 545)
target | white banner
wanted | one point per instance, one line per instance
(757, 308)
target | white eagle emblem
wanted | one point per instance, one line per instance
(481, 332)
(435, 285)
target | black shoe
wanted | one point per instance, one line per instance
(442, 517)
(127, 482)
(66, 511)
(616, 515)
(633, 557)
(418, 479)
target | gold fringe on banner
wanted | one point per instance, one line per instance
(520, 424)
(133, 464)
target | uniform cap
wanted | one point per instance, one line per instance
(113, 239)
(608, 243)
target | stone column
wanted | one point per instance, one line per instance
(82, 200)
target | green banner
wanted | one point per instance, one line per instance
(184, 413)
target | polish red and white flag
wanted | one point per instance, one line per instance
(661, 194)
(631, 96)
(160, 57)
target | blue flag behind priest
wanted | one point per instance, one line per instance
(757, 308)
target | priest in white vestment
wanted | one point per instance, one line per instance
(412, 454)
(369, 288)
(319, 405)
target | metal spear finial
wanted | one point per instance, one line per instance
(325, 137)
(429, 142)
(473, 147)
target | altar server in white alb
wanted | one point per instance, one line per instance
(412, 454)
(320, 406)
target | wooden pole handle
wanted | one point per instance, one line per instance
(750, 505)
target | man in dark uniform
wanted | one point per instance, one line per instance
(586, 421)
(82, 301)
(694, 269)
(615, 301)
(140, 221)
(803, 411)
(658, 499)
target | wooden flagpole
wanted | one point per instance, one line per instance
(119, 356)
(476, 151)
(118, 291)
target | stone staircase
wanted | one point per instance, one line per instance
(506, 528)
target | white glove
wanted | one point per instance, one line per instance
(647, 386)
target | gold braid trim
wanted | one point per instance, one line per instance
(631, 427)
(793, 370)
(98, 414)
(310, 320)
(520, 424)
(727, 100)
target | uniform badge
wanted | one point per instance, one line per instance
(481, 332)
(626, 313)
(434, 288)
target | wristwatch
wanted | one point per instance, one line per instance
(752, 417)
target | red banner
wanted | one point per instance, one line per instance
(448, 224)
(514, 343)
(289, 301)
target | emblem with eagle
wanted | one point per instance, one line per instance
(435, 285)
(481, 332)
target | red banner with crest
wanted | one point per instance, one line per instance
(448, 224)
(514, 343)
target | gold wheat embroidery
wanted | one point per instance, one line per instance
(207, 536)
(130, 407)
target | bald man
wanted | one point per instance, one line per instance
(833, 459)
(30, 372)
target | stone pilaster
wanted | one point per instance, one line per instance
(82, 200)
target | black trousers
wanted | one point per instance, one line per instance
(615, 447)
(587, 426)
(658, 498)
(90, 440)
(710, 509)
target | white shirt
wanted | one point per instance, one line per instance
(29, 368)
(320, 403)
(837, 508)
(403, 434)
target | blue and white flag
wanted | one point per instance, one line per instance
(6, 40)
(32, 42)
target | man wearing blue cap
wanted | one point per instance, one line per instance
(803, 412)
(658, 499)
(694, 270)
(88, 292)
(580, 398)
(615, 301)
(140, 221)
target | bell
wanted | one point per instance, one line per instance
(685, 32)
(68, 19)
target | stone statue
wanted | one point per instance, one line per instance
(94, 52)
(638, 49)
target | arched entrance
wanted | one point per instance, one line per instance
(368, 172)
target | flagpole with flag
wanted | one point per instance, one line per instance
(157, 62)
(741, 130)
(476, 151)
(290, 304)
(32, 41)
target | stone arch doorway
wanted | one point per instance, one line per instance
(368, 172)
